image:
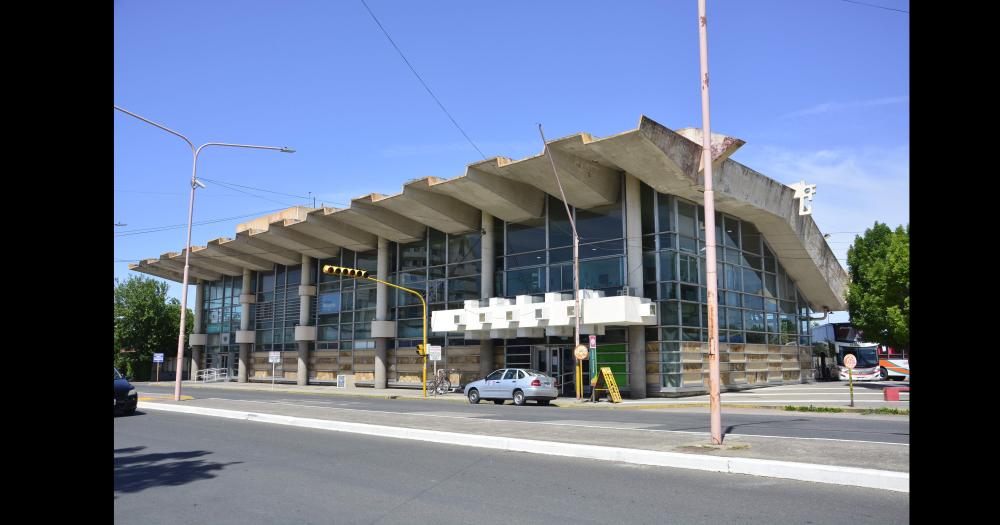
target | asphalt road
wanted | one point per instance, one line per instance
(853, 427)
(176, 468)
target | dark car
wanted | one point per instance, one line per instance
(126, 397)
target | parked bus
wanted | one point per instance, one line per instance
(841, 339)
(894, 364)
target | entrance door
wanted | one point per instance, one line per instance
(557, 362)
(224, 361)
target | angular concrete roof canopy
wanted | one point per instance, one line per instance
(484, 189)
(590, 169)
(175, 261)
(201, 258)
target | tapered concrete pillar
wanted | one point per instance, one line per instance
(305, 332)
(197, 351)
(381, 313)
(242, 375)
(633, 261)
(486, 288)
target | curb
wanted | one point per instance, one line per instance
(857, 477)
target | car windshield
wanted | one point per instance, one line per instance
(866, 356)
(117, 375)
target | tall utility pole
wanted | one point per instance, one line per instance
(576, 270)
(710, 271)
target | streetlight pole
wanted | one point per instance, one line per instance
(576, 270)
(187, 246)
(710, 271)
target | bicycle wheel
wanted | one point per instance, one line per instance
(443, 387)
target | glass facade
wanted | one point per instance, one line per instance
(761, 330)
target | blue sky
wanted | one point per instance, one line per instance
(819, 89)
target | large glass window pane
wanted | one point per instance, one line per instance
(327, 303)
(412, 255)
(266, 285)
(294, 277)
(664, 212)
(686, 219)
(526, 282)
(367, 261)
(461, 270)
(603, 273)
(526, 259)
(753, 320)
(734, 319)
(463, 288)
(437, 247)
(463, 248)
(668, 270)
(668, 312)
(750, 237)
(770, 285)
(600, 223)
(752, 282)
(526, 236)
(364, 298)
(560, 232)
(688, 267)
(690, 314)
(647, 213)
(732, 232)
(602, 249)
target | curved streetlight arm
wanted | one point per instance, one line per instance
(164, 128)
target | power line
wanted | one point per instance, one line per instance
(253, 188)
(386, 33)
(878, 6)
(154, 229)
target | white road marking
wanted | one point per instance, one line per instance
(476, 417)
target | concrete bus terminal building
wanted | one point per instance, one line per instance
(492, 251)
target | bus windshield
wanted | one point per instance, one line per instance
(866, 355)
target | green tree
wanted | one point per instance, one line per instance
(878, 297)
(147, 322)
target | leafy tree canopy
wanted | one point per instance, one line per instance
(878, 297)
(146, 322)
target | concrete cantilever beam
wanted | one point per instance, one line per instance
(175, 262)
(219, 248)
(438, 211)
(482, 187)
(365, 215)
(279, 233)
(587, 179)
(253, 245)
(202, 259)
(150, 267)
(322, 224)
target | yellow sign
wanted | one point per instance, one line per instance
(611, 387)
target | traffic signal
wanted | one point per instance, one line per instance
(346, 272)
(421, 350)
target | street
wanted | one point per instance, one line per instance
(777, 423)
(172, 468)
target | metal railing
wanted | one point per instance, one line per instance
(210, 375)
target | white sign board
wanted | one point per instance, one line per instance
(434, 352)
(157, 358)
(850, 361)
(274, 357)
(593, 341)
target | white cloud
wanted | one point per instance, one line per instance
(854, 187)
(828, 107)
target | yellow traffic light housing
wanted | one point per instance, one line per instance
(345, 272)
(421, 350)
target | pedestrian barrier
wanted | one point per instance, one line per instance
(891, 393)
(211, 375)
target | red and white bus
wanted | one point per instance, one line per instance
(875, 362)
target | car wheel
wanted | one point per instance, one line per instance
(518, 398)
(130, 411)
(885, 373)
(543, 402)
(474, 396)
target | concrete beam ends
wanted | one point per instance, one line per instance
(305, 333)
(439, 211)
(218, 248)
(175, 262)
(203, 258)
(279, 233)
(364, 214)
(244, 336)
(324, 224)
(253, 244)
(261, 223)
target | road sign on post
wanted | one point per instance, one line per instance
(157, 358)
(274, 358)
(850, 362)
(593, 341)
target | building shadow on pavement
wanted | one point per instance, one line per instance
(136, 472)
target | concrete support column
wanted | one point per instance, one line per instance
(197, 351)
(305, 300)
(382, 312)
(486, 288)
(633, 262)
(244, 359)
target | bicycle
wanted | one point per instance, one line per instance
(440, 384)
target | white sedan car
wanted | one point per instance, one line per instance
(516, 384)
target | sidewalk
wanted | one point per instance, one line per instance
(876, 465)
(827, 394)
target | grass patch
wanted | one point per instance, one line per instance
(893, 411)
(810, 408)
